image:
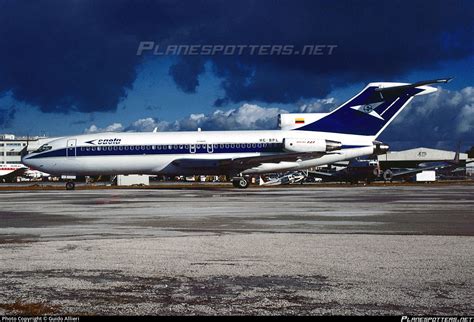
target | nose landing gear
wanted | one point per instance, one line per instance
(70, 185)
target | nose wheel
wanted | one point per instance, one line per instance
(240, 182)
(70, 185)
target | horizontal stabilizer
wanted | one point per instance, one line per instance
(417, 84)
(400, 89)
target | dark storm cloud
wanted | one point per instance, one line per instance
(181, 71)
(6, 117)
(376, 41)
(81, 55)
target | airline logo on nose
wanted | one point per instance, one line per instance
(104, 141)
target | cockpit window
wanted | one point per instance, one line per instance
(44, 147)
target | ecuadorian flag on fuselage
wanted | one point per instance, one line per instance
(299, 120)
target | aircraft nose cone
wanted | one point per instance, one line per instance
(26, 160)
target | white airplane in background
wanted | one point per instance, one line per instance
(8, 172)
(11, 172)
(347, 132)
(289, 178)
(35, 174)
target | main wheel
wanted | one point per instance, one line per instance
(70, 185)
(240, 182)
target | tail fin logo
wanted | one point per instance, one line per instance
(369, 109)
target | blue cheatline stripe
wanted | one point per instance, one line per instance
(159, 150)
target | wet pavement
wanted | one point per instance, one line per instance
(317, 250)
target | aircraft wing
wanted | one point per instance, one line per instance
(246, 162)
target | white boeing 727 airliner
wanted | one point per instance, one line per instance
(347, 132)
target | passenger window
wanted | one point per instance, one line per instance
(232, 146)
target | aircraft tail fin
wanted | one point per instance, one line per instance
(456, 156)
(373, 109)
(456, 161)
(24, 151)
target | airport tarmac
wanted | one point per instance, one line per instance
(299, 250)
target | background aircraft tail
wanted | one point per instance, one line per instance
(373, 109)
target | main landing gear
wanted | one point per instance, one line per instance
(240, 182)
(70, 185)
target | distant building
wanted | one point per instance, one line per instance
(412, 158)
(470, 167)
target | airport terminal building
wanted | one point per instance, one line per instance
(11, 146)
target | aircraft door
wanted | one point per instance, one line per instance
(192, 148)
(210, 148)
(71, 148)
